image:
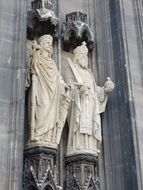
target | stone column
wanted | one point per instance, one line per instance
(118, 54)
(12, 92)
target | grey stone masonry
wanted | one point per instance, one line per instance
(120, 53)
(12, 71)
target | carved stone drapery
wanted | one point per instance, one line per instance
(89, 101)
(75, 30)
(40, 170)
(41, 19)
(48, 106)
(39, 166)
(48, 97)
(82, 172)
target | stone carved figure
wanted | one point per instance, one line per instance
(88, 102)
(49, 97)
(32, 46)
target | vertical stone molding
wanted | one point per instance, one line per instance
(12, 92)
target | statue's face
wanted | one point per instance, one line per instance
(46, 45)
(83, 61)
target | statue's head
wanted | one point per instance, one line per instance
(81, 55)
(45, 42)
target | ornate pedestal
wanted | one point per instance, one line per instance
(82, 173)
(40, 172)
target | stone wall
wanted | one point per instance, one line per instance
(12, 67)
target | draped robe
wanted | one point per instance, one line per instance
(85, 109)
(46, 100)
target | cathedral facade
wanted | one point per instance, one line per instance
(71, 95)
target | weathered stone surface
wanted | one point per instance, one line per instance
(117, 28)
(40, 170)
(114, 25)
(12, 65)
(48, 97)
(134, 50)
(82, 172)
(88, 102)
(121, 58)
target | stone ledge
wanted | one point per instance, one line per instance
(40, 150)
(80, 158)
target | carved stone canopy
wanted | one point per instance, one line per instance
(76, 30)
(41, 19)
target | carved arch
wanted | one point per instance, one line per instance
(74, 184)
(92, 185)
(49, 182)
(48, 187)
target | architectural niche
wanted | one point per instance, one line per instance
(76, 30)
(41, 19)
(53, 99)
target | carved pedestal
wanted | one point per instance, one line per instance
(40, 172)
(82, 173)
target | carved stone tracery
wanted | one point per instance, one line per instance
(40, 169)
(82, 173)
(75, 30)
(41, 19)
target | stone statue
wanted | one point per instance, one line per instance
(49, 97)
(32, 46)
(88, 102)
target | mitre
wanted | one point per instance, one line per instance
(81, 49)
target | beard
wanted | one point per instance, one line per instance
(83, 63)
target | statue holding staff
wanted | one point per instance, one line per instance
(88, 102)
(49, 97)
